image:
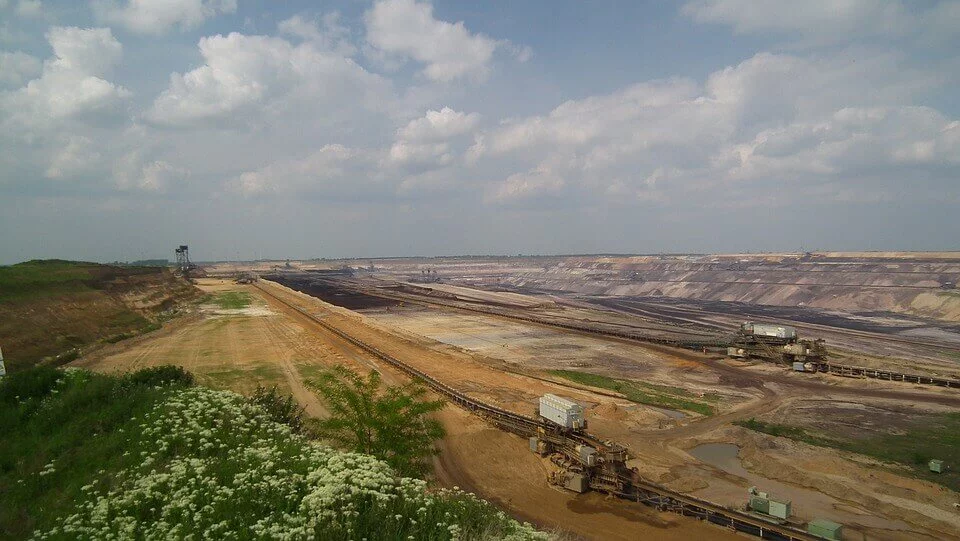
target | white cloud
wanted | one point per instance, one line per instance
(652, 112)
(263, 75)
(425, 142)
(407, 28)
(71, 83)
(441, 124)
(132, 172)
(828, 20)
(77, 155)
(30, 8)
(537, 182)
(88, 50)
(421, 154)
(770, 89)
(850, 141)
(332, 169)
(157, 17)
(326, 34)
(772, 119)
(17, 67)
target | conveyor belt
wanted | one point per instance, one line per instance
(619, 481)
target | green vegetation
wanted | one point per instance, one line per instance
(937, 437)
(662, 396)
(169, 460)
(148, 328)
(310, 370)
(244, 379)
(796, 433)
(43, 278)
(392, 424)
(232, 300)
(282, 409)
(60, 431)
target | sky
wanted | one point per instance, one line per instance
(349, 128)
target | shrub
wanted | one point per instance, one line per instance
(27, 384)
(158, 376)
(68, 356)
(74, 428)
(281, 409)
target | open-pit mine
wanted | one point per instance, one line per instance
(779, 396)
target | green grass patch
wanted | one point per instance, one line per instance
(52, 277)
(43, 278)
(244, 380)
(232, 300)
(663, 396)
(936, 437)
(148, 328)
(311, 371)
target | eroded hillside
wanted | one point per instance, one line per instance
(50, 309)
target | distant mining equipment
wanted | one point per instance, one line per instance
(427, 276)
(777, 343)
(184, 267)
(247, 278)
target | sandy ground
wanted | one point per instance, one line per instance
(270, 343)
(234, 349)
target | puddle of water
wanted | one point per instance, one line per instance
(722, 456)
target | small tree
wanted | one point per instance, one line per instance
(391, 423)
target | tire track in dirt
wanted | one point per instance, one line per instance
(269, 329)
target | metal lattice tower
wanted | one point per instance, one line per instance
(183, 259)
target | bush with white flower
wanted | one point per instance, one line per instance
(212, 465)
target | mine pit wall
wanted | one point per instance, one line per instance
(907, 283)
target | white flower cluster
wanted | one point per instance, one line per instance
(214, 466)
